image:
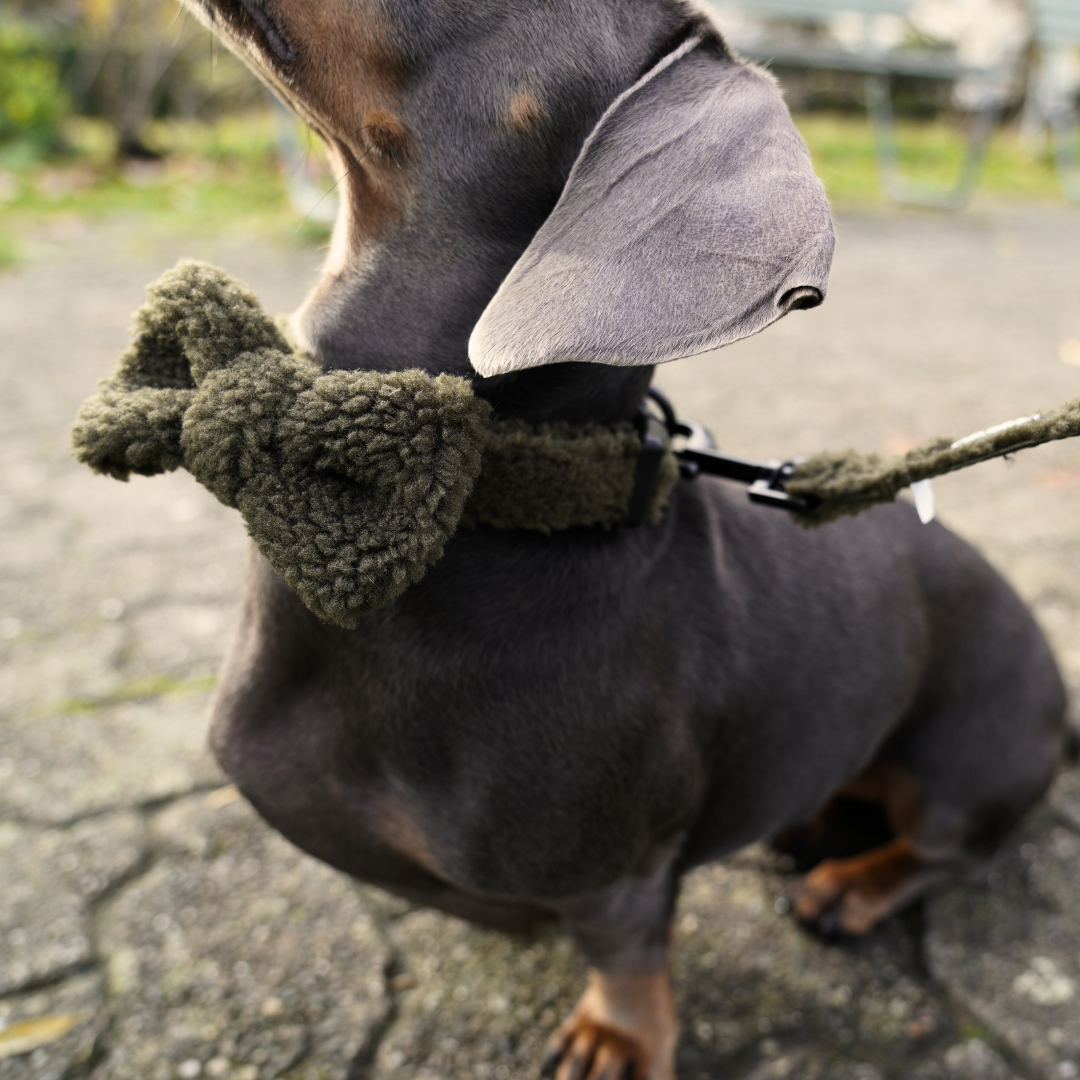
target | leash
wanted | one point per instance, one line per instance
(833, 484)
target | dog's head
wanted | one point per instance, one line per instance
(529, 182)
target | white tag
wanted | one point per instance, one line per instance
(924, 500)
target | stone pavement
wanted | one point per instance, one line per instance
(151, 927)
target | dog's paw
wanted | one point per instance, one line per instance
(624, 1028)
(591, 1051)
(851, 896)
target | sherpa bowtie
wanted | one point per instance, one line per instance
(350, 482)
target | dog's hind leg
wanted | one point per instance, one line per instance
(624, 1027)
(952, 780)
(851, 894)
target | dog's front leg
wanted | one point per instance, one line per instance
(624, 1027)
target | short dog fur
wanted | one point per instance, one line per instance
(561, 726)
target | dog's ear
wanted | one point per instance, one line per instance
(691, 218)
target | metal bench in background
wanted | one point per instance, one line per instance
(1055, 83)
(880, 58)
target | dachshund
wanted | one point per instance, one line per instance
(549, 197)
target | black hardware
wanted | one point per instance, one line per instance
(654, 441)
(765, 478)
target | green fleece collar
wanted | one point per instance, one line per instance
(349, 482)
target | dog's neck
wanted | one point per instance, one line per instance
(440, 200)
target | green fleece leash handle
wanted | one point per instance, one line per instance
(832, 484)
(847, 482)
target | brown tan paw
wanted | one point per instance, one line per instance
(594, 1052)
(850, 896)
(624, 1028)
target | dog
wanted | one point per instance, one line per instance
(550, 197)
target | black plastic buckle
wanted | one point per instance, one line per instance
(765, 478)
(769, 491)
(654, 442)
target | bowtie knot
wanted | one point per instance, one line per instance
(349, 482)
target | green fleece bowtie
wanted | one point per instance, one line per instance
(350, 482)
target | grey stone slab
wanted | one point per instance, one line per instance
(475, 1003)
(803, 1063)
(810, 1065)
(115, 583)
(152, 540)
(750, 980)
(182, 638)
(971, 1059)
(1065, 796)
(82, 663)
(968, 1060)
(749, 983)
(50, 879)
(1011, 955)
(974, 1060)
(53, 1033)
(67, 764)
(237, 956)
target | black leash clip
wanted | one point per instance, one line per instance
(765, 478)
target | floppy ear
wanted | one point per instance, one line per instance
(691, 218)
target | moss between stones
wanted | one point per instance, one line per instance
(350, 482)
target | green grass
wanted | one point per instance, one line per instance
(9, 251)
(843, 151)
(212, 179)
(224, 177)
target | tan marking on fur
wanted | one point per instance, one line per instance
(392, 822)
(356, 88)
(867, 888)
(883, 782)
(622, 1020)
(387, 134)
(346, 70)
(525, 113)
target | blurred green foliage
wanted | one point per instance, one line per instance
(126, 61)
(844, 155)
(208, 177)
(91, 88)
(33, 99)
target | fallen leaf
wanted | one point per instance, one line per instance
(222, 797)
(1058, 480)
(1069, 351)
(900, 442)
(27, 1035)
